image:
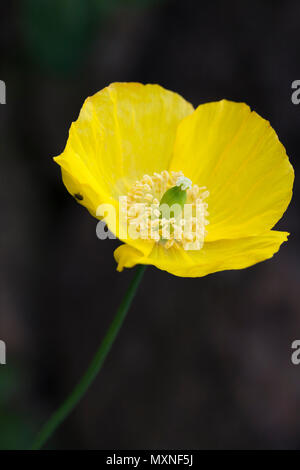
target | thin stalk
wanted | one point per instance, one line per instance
(95, 366)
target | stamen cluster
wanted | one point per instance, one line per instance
(147, 219)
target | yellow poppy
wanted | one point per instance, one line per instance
(148, 144)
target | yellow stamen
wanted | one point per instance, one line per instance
(143, 211)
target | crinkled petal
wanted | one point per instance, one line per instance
(236, 154)
(123, 132)
(215, 256)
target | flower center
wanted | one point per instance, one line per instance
(168, 208)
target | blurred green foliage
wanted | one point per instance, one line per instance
(16, 429)
(58, 33)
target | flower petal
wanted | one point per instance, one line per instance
(236, 154)
(214, 256)
(124, 131)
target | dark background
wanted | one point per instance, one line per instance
(200, 363)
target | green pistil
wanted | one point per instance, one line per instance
(174, 195)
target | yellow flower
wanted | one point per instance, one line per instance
(150, 145)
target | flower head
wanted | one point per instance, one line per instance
(192, 191)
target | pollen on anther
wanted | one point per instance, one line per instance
(145, 218)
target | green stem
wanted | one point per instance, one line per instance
(95, 366)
